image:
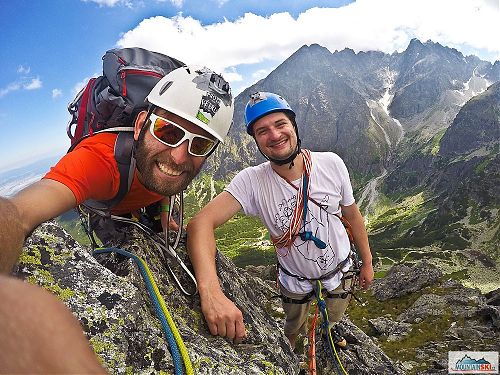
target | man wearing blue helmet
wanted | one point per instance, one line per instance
(305, 200)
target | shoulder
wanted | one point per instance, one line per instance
(101, 141)
(327, 156)
(254, 171)
(93, 156)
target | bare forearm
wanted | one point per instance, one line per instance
(12, 235)
(221, 314)
(361, 240)
(202, 250)
(22, 213)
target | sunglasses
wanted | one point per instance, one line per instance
(171, 134)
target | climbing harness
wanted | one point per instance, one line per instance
(310, 296)
(160, 242)
(321, 305)
(323, 277)
(178, 350)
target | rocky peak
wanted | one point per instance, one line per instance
(476, 126)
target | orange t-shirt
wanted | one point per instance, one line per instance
(90, 172)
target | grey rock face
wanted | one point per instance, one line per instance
(403, 279)
(333, 95)
(438, 316)
(118, 317)
(477, 125)
(388, 327)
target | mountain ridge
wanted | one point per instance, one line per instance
(415, 196)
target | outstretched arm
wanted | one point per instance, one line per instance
(354, 217)
(223, 317)
(26, 210)
(39, 334)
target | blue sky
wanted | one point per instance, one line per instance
(50, 48)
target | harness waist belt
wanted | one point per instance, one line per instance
(324, 277)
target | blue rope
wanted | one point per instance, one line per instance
(174, 350)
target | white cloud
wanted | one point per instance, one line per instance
(11, 87)
(232, 75)
(220, 3)
(23, 69)
(103, 3)
(56, 93)
(34, 84)
(385, 25)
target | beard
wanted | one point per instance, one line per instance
(146, 163)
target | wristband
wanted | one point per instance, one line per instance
(165, 208)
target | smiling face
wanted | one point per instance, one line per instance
(163, 169)
(275, 135)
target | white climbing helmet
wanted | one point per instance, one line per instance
(198, 95)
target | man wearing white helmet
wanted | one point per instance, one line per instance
(190, 113)
(304, 199)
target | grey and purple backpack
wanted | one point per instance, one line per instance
(110, 103)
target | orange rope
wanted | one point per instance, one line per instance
(287, 238)
(312, 344)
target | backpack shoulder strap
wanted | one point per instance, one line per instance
(125, 162)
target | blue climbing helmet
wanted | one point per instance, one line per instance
(262, 103)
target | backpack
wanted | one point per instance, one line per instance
(110, 103)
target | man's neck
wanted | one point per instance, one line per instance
(292, 173)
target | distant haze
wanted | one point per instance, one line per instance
(13, 180)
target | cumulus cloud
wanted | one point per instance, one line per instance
(33, 84)
(25, 84)
(56, 93)
(232, 75)
(385, 25)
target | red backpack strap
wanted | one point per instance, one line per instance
(82, 112)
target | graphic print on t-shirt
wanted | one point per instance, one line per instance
(322, 257)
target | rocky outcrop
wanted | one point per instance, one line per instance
(118, 317)
(119, 320)
(438, 315)
(404, 279)
(393, 330)
(476, 126)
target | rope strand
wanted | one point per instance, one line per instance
(287, 238)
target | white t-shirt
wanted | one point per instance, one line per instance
(263, 193)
